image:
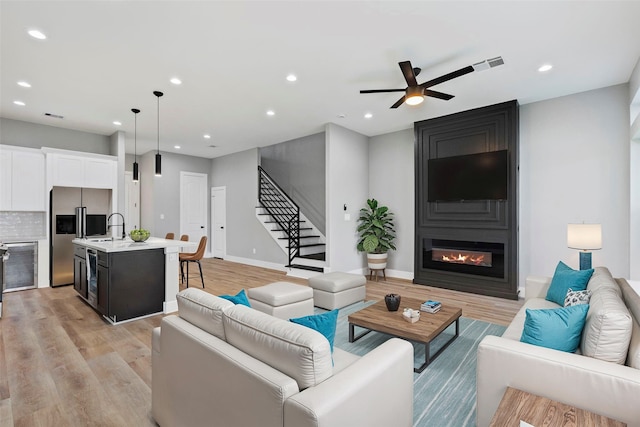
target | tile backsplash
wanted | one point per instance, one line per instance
(22, 225)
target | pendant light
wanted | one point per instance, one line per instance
(158, 156)
(135, 145)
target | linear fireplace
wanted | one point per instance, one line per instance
(467, 257)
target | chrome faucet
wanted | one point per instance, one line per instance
(124, 233)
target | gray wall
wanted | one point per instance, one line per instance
(239, 174)
(160, 196)
(347, 184)
(392, 183)
(298, 166)
(574, 167)
(25, 134)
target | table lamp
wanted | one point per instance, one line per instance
(585, 237)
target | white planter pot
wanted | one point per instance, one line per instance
(377, 261)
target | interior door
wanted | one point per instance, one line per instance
(193, 205)
(218, 221)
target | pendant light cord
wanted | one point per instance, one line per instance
(135, 137)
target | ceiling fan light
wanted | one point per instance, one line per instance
(414, 95)
(414, 99)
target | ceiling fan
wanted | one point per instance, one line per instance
(415, 93)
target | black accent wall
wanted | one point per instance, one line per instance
(475, 222)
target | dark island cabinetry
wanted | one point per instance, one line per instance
(80, 271)
(129, 284)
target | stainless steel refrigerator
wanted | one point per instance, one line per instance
(75, 212)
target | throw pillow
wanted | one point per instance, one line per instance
(564, 278)
(577, 297)
(556, 328)
(239, 298)
(324, 323)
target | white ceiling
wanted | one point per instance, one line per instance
(103, 58)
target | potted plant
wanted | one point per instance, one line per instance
(376, 231)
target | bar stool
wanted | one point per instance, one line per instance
(170, 236)
(188, 257)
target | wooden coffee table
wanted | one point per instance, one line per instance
(376, 317)
(517, 405)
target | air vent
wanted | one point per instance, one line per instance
(494, 62)
(55, 116)
(488, 63)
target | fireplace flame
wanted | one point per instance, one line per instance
(464, 259)
(462, 256)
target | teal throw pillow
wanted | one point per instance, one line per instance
(564, 278)
(324, 323)
(556, 328)
(239, 298)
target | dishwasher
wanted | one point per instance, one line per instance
(21, 268)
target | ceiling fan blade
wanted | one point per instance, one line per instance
(439, 95)
(382, 90)
(461, 72)
(398, 102)
(409, 75)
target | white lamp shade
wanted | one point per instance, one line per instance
(584, 236)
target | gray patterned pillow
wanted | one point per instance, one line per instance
(577, 297)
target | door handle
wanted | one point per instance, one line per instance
(221, 228)
(202, 226)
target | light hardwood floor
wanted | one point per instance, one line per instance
(62, 365)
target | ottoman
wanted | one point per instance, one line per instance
(337, 290)
(282, 299)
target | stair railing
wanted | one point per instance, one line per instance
(282, 209)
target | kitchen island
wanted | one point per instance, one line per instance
(125, 280)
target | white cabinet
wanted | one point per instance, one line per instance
(22, 179)
(69, 170)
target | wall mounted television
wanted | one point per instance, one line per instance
(482, 176)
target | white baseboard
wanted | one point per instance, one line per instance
(256, 263)
(398, 274)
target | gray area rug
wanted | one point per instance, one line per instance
(444, 394)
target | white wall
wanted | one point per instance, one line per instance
(347, 184)
(574, 167)
(392, 183)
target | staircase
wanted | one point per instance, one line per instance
(294, 233)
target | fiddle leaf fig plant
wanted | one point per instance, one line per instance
(375, 229)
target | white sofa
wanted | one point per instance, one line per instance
(219, 364)
(594, 383)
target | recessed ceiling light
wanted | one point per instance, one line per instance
(20, 103)
(292, 78)
(207, 136)
(23, 84)
(176, 81)
(271, 113)
(368, 115)
(117, 123)
(177, 147)
(342, 116)
(545, 67)
(37, 34)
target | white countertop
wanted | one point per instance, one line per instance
(129, 245)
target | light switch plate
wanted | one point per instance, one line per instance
(347, 217)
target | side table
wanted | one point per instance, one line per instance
(517, 405)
